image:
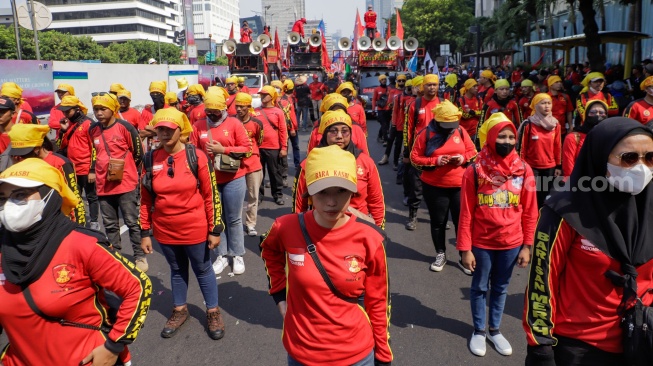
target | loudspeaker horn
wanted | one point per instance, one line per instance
(293, 38)
(264, 40)
(344, 44)
(378, 44)
(229, 47)
(394, 43)
(315, 40)
(364, 43)
(411, 44)
(255, 48)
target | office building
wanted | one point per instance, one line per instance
(117, 21)
(6, 16)
(279, 13)
(215, 17)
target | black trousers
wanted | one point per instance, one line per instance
(439, 202)
(396, 138)
(572, 352)
(544, 180)
(91, 196)
(129, 205)
(412, 186)
(272, 163)
(384, 119)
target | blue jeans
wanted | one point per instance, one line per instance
(294, 142)
(232, 195)
(366, 361)
(304, 113)
(178, 257)
(493, 266)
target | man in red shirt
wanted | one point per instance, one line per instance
(642, 109)
(245, 33)
(126, 113)
(516, 75)
(571, 76)
(527, 94)
(195, 96)
(486, 85)
(471, 106)
(231, 84)
(118, 153)
(594, 83)
(252, 163)
(562, 106)
(370, 22)
(23, 109)
(157, 93)
(501, 102)
(76, 145)
(317, 94)
(7, 111)
(55, 114)
(287, 103)
(299, 27)
(394, 138)
(274, 147)
(381, 106)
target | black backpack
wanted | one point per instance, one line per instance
(191, 156)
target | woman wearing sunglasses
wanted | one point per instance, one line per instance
(336, 128)
(596, 111)
(592, 255)
(173, 199)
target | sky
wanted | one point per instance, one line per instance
(337, 14)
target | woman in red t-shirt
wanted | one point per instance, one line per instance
(175, 193)
(498, 214)
(596, 111)
(539, 144)
(442, 150)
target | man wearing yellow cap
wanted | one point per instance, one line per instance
(486, 85)
(55, 114)
(75, 144)
(274, 146)
(471, 106)
(23, 113)
(302, 97)
(451, 88)
(381, 106)
(27, 141)
(125, 112)
(593, 83)
(642, 109)
(502, 102)
(354, 107)
(527, 93)
(241, 85)
(119, 152)
(231, 84)
(115, 88)
(157, 93)
(395, 138)
(562, 106)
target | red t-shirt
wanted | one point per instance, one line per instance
(357, 114)
(132, 116)
(317, 90)
(640, 110)
(232, 135)
(485, 92)
(146, 117)
(570, 150)
(424, 116)
(469, 119)
(320, 328)
(181, 212)
(525, 106)
(254, 129)
(370, 19)
(378, 92)
(516, 76)
(287, 102)
(124, 143)
(275, 130)
(78, 147)
(55, 116)
(71, 288)
(540, 148)
(196, 113)
(497, 217)
(446, 176)
(4, 142)
(231, 104)
(511, 110)
(561, 106)
(369, 196)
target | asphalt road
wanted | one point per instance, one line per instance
(431, 319)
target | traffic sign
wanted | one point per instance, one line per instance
(192, 51)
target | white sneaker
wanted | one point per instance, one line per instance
(239, 265)
(440, 261)
(251, 231)
(220, 264)
(501, 344)
(477, 344)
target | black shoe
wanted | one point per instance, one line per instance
(279, 201)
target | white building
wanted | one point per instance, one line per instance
(215, 17)
(116, 21)
(279, 13)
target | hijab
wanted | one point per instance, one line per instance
(618, 223)
(546, 121)
(438, 134)
(590, 122)
(491, 166)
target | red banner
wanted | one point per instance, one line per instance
(377, 59)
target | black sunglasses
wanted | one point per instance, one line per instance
(171, 164)
(629, 159)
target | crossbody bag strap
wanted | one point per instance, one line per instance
(312, 250)
(106, 146)
(30, 301)
(208, 131)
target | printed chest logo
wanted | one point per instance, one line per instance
(63, 273)
(360, 171)
(353, 263)
(647, 113)
(226, 132)
(456, 139)
(588, 246)
(422, 111)
(296, 259)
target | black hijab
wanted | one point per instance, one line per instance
(590, 122)
(437, 135)
(618, 223)
(26, 255)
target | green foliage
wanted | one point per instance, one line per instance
(436, 22)
(507, 26)
(58, 46)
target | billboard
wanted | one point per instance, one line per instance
(35, 78)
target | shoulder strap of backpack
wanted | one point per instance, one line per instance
(521, 134)
(418, 105)
(147, 163)
(191, 156)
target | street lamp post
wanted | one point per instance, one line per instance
(564, 27)
(265, 16)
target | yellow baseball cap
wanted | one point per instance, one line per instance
(66, 88)
(182, 83)
(25, 137)
(172, 118)
(124, 94)
(116, 87)
(328, 167)
(35, 172)
(330, 118)
(70, 101)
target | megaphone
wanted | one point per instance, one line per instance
(229, 47)
(255, 48)
(264, 40)
(378, 44)
(344, 44)
(410, 44)
(394, 43)
(364, 43)
(315, 40)
(294, 38)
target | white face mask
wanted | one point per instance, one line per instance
(20, 217)
(630, 180)
(256, 103)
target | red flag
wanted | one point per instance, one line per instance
(231, 34)
(558, 61)
(388, 34)
(277, 43)
(539, 62)
(357, 26)
(361, 28)
(400, 27)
